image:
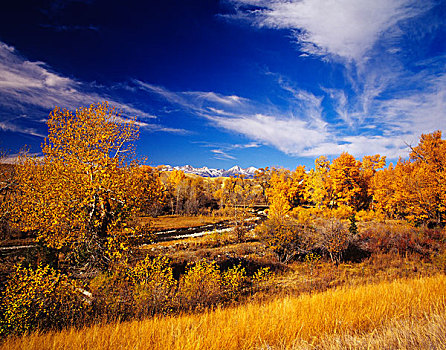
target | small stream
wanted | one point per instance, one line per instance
(168, 235)
(198, 231)
(171, 235)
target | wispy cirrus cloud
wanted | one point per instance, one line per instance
(225, 151)
(291, 135)
(23, 82)
(359, 145)
(32, 88)
(210, 96)
(8, 126)
(192, 99)
(221, 154)
(299, 128)
(153, 127)
(417, 111)
(346, 29)
(383, 102)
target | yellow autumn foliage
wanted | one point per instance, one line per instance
(87, 185)
(39, 298)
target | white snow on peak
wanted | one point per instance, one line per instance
(210, 172)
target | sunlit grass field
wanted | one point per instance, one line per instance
(383, 315)
(173, 222)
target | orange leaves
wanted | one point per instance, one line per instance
(344, 180)
(415, 189)
(175, 177)
(87, 184)
(286, 190)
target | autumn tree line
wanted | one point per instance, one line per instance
(83, 199)
(412, 189)
(85, 194)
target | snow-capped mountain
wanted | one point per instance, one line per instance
(209, 172)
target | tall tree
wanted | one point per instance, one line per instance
(344, 180)
(369, 166)
(317, 183)
(415, 189)
(86, 186)
(287, 190)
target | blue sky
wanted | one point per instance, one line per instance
(218, 83)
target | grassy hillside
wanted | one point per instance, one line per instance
(384, 315)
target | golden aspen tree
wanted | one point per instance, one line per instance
(317, 183)
(415, 189)
(174, 184)
(87, 185)
(154, 193)
(237, 194)
(263, 176)
(344, 179)
(429, 157)
(369, 166)
(7, 184)
(383, 189)
(286, 190)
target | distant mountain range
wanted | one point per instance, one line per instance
(207, 172)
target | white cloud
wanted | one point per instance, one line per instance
(291, 132)
(342, 28)
(366, 124)
(24, 82)
(248, 145)
(170, 96)
(380, 92)
(417, 111)
(194, 100)
(161, 128)
(221, 154)
(7, 126)
(25, 85)
(223, 150)
(360, 146)
(291, 136)
(230, 100)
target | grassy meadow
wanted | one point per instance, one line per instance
(399, 314)
(175, 222)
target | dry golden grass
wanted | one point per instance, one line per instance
(172, 222)
(337, 315)
(426, 333)
(301, 277)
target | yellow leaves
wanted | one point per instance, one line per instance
(38, 297)
(286, 190)
(345, 179)
(233, 280)
(201, 285)
(175, 177)
(86, 183)
(262, 275)
(415, 189)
